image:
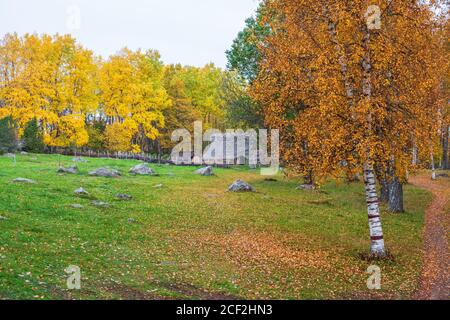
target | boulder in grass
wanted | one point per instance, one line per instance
(142, 169)
(3, 218)
(306, 187)
(81, 192)
(79, 159)
(100, 204)
(76, 206)
(241, 186)
(122, 196)
(104, 172)
(206, 171)
(23, 180)
(71, 169)
(24, 153)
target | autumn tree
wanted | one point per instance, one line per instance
(202, 87)
(51, 79)
(345, 91)
(182, 113)
(133, 98)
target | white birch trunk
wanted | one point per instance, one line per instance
(373, 210)
(433, 169)
(373, 206)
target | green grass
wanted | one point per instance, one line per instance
(191, 238)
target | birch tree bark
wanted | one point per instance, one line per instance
(373, 206)
(373, 209)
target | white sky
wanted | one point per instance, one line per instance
(193, 32)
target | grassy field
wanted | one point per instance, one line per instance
(191, 238)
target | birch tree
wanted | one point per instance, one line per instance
(347, 81)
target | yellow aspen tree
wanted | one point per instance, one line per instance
(132, 91)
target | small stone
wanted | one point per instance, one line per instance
(23, 180)
(72, 170)
(105, 172)
(158, 186)
(24, 153)
(206, 171)
(306, 187)
(3, 218)
(76, 206)
(240, 186)
(122, 196)
(142, 169)
(100, 204)
(131, 220)
(79, 159)
(81, 192)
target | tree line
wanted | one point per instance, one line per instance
(55, 94)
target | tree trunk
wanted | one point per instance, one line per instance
(445, 155)
(433, 168)
(396, 196)
(373, 210)
(415, 153)
(384, 191)
(373, 207)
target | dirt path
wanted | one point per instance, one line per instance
(435, 277)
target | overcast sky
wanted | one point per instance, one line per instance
(193, 32)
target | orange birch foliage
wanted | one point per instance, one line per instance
(312, 82)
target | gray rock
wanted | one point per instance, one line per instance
(79, 159)
(142, 169)
(131, 220)
(76, 206)
(306, 187)
(81, 192)
(71, 169)
(23, 180)
(158, 186)
(24, 153)
(241, 186)
(3, 218)
(100, 204)
(104, 172)
(122, 196)
(205, 171)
